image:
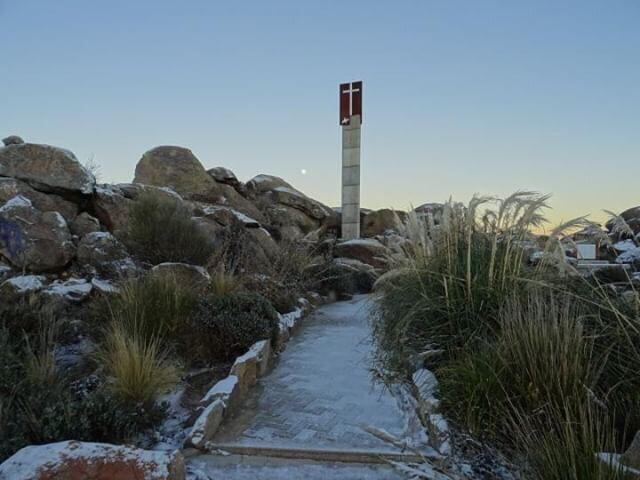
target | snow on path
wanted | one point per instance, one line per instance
(320, 393)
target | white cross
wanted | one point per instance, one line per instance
(350, 91)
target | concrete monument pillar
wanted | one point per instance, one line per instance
(351, 122)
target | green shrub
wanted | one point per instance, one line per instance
(38, 415)
(161, 230)
(225, 327)
(154, 306)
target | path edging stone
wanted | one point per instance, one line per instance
(229, 393)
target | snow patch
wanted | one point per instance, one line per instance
(26, 283)
(221, 390)
(104, 286)
(624, 245)
(15, 202)
(74, 289)
(290, 319)
(629, 256)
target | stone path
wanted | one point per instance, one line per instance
(311, 406)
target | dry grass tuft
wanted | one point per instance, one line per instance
(138, 369)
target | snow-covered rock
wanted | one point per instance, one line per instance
(631, 255)
(104, 286)
(262, 349)
(106, 254)
(34, 240)
(246, 369)
(73, 290)
(24, 284)
(226, 390)
(72, 460)
(207, 424)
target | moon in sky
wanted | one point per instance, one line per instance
(303, 171)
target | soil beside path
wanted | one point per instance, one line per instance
(316, 399)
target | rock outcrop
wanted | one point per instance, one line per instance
(179, 169)
(46, 168)
(11, 187)
(380, 221)
(33, 240)
(289, 212)
(368, 251)
(105, 254)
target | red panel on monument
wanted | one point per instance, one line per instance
(345, 103)
(356, 99)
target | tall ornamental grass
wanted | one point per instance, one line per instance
(535, 358)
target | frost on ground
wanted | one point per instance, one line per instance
(172, 433)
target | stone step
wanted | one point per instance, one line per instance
(239, 467)
(345, 455)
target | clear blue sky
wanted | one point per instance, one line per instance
(459, 96)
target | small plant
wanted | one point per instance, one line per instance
(138, 368)
(224, 282)
(161, 230)
(227, 326)
(153, 306)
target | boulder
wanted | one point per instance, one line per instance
(73, 460)
(381, 221)
(231, 198)
(280, 192)
(46, 168)
(106, 254)
(264, 242)
(298, 200)
(290, 223)
(194, 276)
(212, 229)
(225, 216)
(368, 251)
(84, 224)
(224, 175)
(265, 183)
(33, 240)
(12, 140)
(11, 187)
(179, 169)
